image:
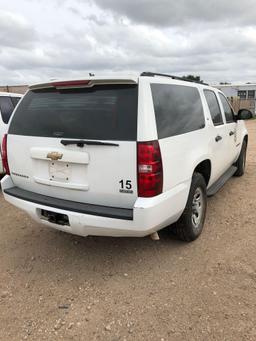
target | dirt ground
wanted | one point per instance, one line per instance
(55, 286)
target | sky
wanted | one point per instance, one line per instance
(46, 39)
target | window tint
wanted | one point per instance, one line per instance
(214, 107)
(227, 109)
(241, 94)
(98, 113)
(251, 94)
(15, 100)
(6, 107)
(178, 109)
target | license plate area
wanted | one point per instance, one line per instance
(59, 171)
(55, 218)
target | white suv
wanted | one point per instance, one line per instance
(8, 102)
(122, 156)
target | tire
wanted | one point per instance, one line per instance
(240, 163)
(190, 224)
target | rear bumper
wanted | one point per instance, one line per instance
(71, 206)
(147, 216)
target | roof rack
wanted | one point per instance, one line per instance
(152, 74)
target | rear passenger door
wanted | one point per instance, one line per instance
(231, 131)
(218, 138)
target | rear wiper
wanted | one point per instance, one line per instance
(81, 143)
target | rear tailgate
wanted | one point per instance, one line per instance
(77, 144)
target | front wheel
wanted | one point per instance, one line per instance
(190, 224)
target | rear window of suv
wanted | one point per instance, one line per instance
(178, 109)
(102, 112)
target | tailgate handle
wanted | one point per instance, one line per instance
(81, 143)
(60, 155)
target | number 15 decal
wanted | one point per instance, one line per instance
(125, 186)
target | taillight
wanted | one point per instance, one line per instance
(4, 155)
(150, 170)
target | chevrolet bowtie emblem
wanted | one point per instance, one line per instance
(54, 156)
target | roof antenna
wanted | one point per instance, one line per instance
(91, 74)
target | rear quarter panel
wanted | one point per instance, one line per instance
(146, 130)
(182, 153)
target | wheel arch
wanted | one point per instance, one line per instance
(246, 139)
(204, 168)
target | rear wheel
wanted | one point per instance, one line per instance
(190, 224)
(240, 163)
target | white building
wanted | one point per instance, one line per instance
(240, 95)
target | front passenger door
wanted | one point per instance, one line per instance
(231, 129)
(217, 134)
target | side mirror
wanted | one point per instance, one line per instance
(244, 114)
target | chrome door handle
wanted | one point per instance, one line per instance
(218, 138)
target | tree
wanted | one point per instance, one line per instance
(193, 78)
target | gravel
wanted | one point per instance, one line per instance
(55, 286)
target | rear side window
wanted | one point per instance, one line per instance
(178, 109)
(6, 107)
(227, 109)
(15, 101)
(214, 107)
(102, 112)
